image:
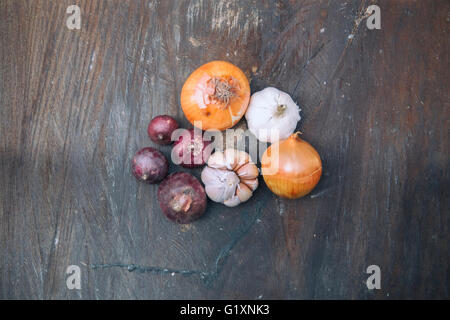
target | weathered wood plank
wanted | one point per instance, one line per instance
(75, 106)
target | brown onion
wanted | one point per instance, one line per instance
(294, 170)
(216, 95)
(182, 198)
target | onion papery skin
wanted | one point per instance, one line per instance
(299, 168)
(198, 92)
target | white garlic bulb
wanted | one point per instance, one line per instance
(272, 109)
(230, 177)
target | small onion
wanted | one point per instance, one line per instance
(190, 150)
(160, 129)
(149, 165)
(291, 168)
(182, 198)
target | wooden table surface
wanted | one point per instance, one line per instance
(75, 105)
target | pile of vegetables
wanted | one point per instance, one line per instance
(216, 96)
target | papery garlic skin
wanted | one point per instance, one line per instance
(220, 185)
(272, 109)
(230, 177)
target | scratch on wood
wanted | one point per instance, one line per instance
(207, 276)
(361, 16)
(228, 17)
(280, 204)
(363, 13)
(318, 194)
(195, 42)
(308, 61)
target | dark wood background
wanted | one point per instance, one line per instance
(75, 106)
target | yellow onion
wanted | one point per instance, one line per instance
(291, 168)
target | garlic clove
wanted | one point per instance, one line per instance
(241, 158)
(217, 160)
(232, 202)
(251, 183)
(211, 175)
(248, 171)
(215, 192)
(231, 158)
(220, 185)
(243, 192)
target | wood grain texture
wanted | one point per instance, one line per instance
(75, 106)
